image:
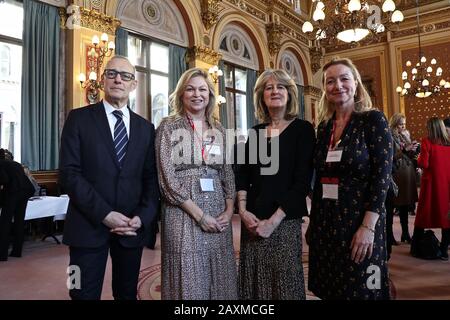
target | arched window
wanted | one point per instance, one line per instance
(239, 64)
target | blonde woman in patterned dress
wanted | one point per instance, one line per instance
(353, 163)
(198, 194)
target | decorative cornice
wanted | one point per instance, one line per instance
(249, 8)
(210, 12)
(90, 19)
(313, 91)
(204, 54)
(274, 37)
(423, 29)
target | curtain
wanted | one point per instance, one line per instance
(40, 86)
(121, 42)
(251, 81)
(222, 91)
(301, 101)
(177, 65)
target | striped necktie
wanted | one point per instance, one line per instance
(120, 137)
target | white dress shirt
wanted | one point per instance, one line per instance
(112, 118)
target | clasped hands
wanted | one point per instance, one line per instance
(121, 224)
(219, 224)
(263, 228)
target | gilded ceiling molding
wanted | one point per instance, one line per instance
(274, 37)
(313, 91)
(204, 54)
(210, 12)
(90, 19)
(246, 6)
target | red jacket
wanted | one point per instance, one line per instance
(434, 199)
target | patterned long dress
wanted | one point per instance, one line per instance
(195, 264)
(271, 268)
(364, 173)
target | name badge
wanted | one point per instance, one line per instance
(207, 184)
(334, 155)
(330, 188)
(215, 150)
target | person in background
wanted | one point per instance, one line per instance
(271, 206)
(17, 189)
(433, 208)
(353, 163)
(198, 191)
(447, 125)
(108, 169)
(404, 172)
(37, 188)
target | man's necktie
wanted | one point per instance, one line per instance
(120, 137)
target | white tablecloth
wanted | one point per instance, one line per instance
(47, 207)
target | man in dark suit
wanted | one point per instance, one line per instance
(16, 190)
(107, 167)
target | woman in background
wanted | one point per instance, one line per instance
(404, 172)
(434, 201)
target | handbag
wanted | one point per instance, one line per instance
(426, 247)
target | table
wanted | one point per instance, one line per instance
(46, 206)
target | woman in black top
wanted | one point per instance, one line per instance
(273, 185)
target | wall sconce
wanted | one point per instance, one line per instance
(220, 100)
(94, 62)
(215, 73)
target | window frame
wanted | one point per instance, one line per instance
(147, 70)
(233, 90)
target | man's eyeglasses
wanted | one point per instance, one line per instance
(112, 74)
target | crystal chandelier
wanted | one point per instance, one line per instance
(350, 21)
(419, 80)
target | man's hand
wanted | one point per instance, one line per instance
(115, 219)
(121, 224)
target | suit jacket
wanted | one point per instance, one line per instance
(91, 176)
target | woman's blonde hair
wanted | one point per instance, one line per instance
(281, 76)
(176, 98)
(362, 97)
(395, 120)
(437, 132)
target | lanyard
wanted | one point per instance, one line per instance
(331, 144)
(197, 137)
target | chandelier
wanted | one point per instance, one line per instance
(419, 80)
(350, 21)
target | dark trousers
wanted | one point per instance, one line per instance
(14, 207)
(403, 212)
(126, 263)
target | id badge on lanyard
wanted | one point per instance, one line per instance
(207, 182)
(330, 188)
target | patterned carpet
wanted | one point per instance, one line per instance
(149, 285)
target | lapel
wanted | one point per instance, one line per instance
(102, 125)
(133, 138)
